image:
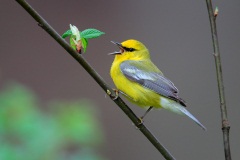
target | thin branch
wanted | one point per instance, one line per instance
(223, 108)
(98, 79)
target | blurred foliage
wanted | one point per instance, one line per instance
(66, 131)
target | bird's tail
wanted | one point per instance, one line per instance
(184, 111)
(179, 109)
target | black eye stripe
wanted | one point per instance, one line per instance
(129, 49)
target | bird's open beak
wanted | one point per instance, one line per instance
(117, 52)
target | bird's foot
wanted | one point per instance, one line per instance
(113, 97)
(140, 121)
(138, 125)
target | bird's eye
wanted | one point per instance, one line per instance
(130, 49)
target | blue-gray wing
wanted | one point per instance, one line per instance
(146, 74)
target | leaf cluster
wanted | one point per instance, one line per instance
(85, 36)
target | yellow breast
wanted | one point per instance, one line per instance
(134, 92)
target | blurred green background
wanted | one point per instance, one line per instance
(63, 131)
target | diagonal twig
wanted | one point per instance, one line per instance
(223, 108)
(42, 23)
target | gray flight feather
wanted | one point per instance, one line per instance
(147, 74)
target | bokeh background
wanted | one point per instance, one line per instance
(177, 33)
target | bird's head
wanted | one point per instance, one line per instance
(131, 49)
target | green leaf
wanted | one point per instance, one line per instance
(91, 33)
(67, 33)
(72, 42)
(84, 44)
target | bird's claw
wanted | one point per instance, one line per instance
(116, 94)
(139, 123)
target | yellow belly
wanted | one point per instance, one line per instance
(135, 93)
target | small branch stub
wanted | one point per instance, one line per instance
(215, 54)
(216, 12)
(225, 124)
(40, 24)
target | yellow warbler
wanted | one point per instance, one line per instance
(142, 83)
